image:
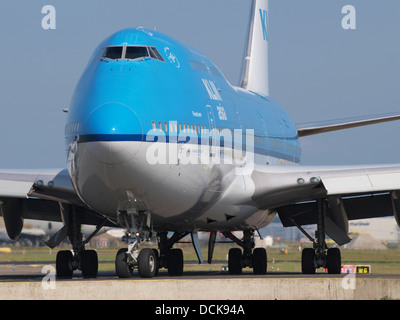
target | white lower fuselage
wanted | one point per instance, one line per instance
(213, 194)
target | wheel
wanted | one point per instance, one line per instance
(64, 264)
(147, 263)
(158, 260)
(122, 268)
(235, 261)
(334, 261)
(308, 261)
(175, 262)
(89, 263)
(260, 261)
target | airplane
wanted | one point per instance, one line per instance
(160, 143)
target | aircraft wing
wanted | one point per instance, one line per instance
(38, 195)
(352, 192)
(307, 129)
(51, 184)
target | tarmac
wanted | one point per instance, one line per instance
(34, 282)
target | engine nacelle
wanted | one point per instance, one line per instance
(12, 214)
(396, 206)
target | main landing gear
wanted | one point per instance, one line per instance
(320, 256)
(148, 261)
(78, 259)
(249, 257)
(312, 258)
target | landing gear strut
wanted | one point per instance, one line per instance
(320, 256)
(237, 260)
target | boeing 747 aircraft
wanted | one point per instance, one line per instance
(160, 143)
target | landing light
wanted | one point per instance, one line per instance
(314, 180)
(300, 180)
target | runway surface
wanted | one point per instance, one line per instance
(34, 271)
(38, 282)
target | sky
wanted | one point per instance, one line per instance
(318, 70)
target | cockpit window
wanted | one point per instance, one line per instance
(136, 52)
(113, 53)
(155, 54)
(131, 53)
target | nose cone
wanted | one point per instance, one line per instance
(113, 118)
(113, 133)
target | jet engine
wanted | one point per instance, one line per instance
(12, 214)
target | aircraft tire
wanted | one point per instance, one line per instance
(175, 262)
(334, 261)
(260, 261)
(235, 261)
(307, 261)
(122, 267)
(147, 263)
(64, 264)
(158, 261)
(89, 263)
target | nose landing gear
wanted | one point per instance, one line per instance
(148, 260)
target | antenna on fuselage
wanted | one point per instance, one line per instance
(255, 65)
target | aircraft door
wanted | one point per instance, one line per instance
(212, 133)
(211, 119)
(264, 140)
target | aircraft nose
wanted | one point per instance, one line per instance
(113, 118)
(115, 132)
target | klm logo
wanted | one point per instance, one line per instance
(264, 17)
(212, 90)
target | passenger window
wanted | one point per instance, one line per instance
(113, 53)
